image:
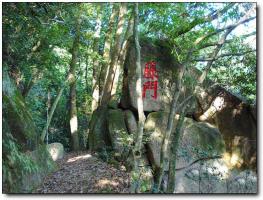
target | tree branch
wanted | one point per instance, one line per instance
(230, 27)
(218, 13)
(208, 18)
(227, 41)
(214, 54)
(223, 55)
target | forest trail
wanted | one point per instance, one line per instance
(81, 172)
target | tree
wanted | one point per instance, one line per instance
(106, 92)
(122, 56)
(107, 48)
(73, 101)
(111, 53)
(138, 142)
(96, 64)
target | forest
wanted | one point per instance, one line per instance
(129, 98)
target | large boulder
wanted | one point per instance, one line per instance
(56, 150)
(24, 178)
(118, 134)
(153, 56)
(235, 119)
(98, 132)
(45, 166)
(214, 176)
(198, 139)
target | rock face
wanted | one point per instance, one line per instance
(153, 56)
(98, 135)
(29, 180)
(235, 119)
(197, 139)
(46, 165)
(17, 115)
(56, 150)
(118, 134)
(213, 176)
(130, 121)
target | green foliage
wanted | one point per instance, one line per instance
(15, 163)
(238, 75)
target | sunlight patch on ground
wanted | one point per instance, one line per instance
(106, 182)
(82, 157)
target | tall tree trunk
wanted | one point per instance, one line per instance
(73, 107)
(48, 106)
(138, 143)
(95, 136)
(53, 107)
(164, 156)
(107, 47)
(96, 64)
(31, 82)
(122, 56)
(106, 93)
(174, 146)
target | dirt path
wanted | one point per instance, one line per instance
(84, 173)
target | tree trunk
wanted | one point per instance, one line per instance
(122, 56)
(174, 146)
(107, 47)
(73, 107)
(96, 65)
(28, 87)
(164, 157)
(106, 93)
(31, 82)
(172, 166)
(138, 143)
(48, 106)
(53, 108)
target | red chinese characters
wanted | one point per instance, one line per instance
(150, 73)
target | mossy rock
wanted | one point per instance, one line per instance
(17, 115)
(34, 167)
(118, 134)
(45, 165)
(97, 137)
(113, 103)
(197, 140)
(56, 150)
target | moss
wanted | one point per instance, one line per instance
(116, 116)
(45, 166)
(118, 134)
(22, 172)
(209, 139)
(98, 132)
(16, 113)
(155, 118)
